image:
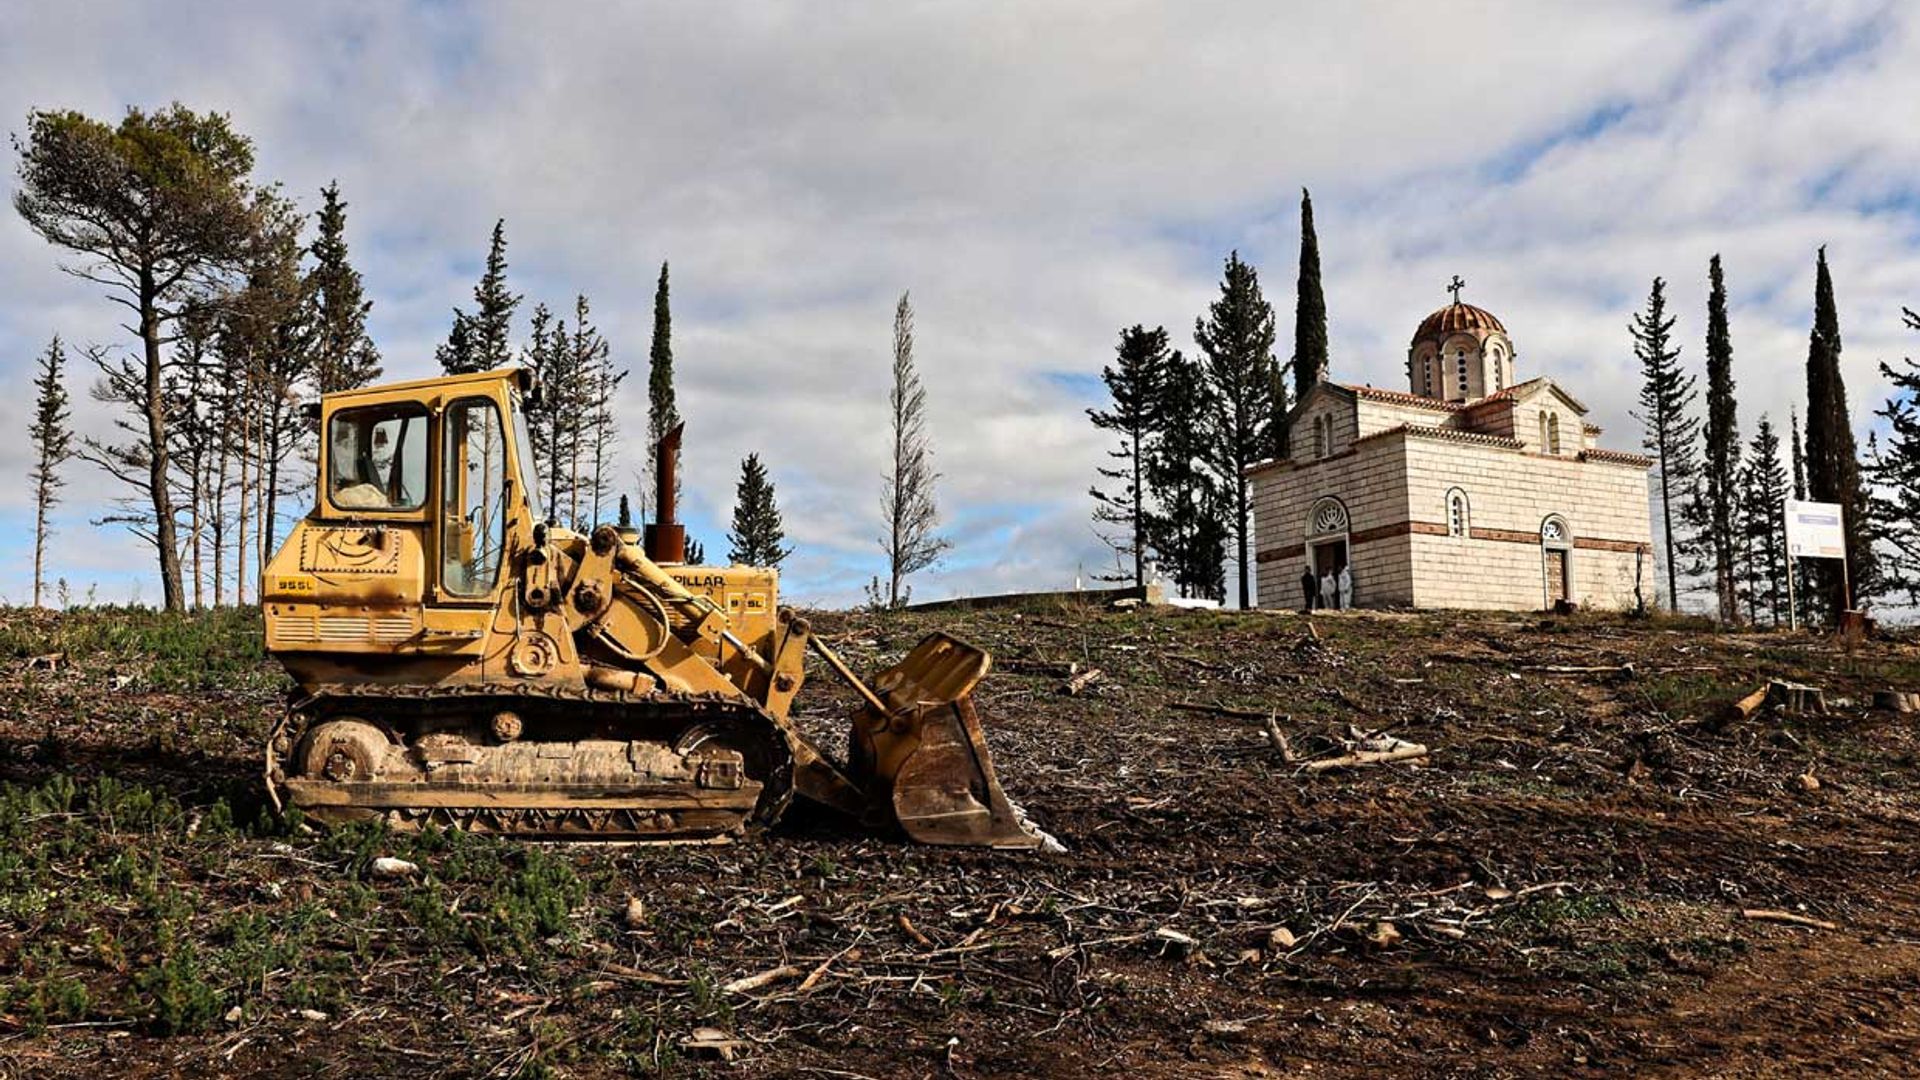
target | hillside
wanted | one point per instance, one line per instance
(1558, 887)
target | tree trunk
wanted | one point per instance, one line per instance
(163, 531)
(39, 540)
(1666, 517)
(1139, 552)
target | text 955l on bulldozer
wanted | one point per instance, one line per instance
(462, 662)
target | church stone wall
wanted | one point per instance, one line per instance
(1510, 494)
(1395, 490)
(1372, 484)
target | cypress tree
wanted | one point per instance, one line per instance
(345, 356)
(1236, 338)
(1134, 384)
(758, 536)
(662, 414)
(1799, 458)
(626, 512)
(1896, 473)
(1310, 361)
(1667, 392)
(1720, 511)
(1833, 459)
(52, 436)
(1188, 526)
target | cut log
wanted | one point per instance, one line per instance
(1788, 917)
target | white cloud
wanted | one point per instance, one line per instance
(1039, 176)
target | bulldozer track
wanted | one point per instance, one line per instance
(636, 812)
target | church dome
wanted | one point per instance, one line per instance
(1456, 317)
(1460, 352)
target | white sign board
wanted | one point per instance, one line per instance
(1815, 530)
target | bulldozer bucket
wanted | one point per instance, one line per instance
(923, 761)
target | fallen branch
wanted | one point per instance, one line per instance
(1624, 670)
(1788, 917)
(1220, 710)
(1080, 682)
(1402, 752)
(850, 953)
(754, 982)
(912, 931)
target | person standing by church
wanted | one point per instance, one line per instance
(1328, 598)
(1309, 590)
(1346, 586)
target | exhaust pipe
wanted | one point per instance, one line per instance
(666, 538)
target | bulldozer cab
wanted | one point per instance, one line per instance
(421, 505)
(449, 459)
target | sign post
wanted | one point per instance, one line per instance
(1815, 530)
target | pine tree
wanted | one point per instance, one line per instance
(1802, 576)
(1763, 498)
(1188, 527)
(1667, 392)
(1720, 507)
(758, 537)
(1236, 338)
(1833, 459)
(662, 414)
(1135, 386)
(492, 327)
(906, 502)
(52, 435)
(480, 342)
(1896, 474)
(626, 513)
(345, 356)
(162, 209)
(1310, 360)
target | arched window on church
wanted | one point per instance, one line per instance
(1553, 433)
(1460, 360)
(1457, 524)
(1499, 371)
(1543, 431)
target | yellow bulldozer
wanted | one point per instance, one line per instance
(463, 662)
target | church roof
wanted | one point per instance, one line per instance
(1457, 316)
(1397, 397)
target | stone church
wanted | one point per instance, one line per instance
(1470, 489)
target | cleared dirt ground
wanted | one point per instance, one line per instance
(1558, 888)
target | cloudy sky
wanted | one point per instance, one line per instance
(1038, 175)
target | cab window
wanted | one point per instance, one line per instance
(377, 458)
(473, 529)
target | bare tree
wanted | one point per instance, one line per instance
(907, 500)
(52, 445)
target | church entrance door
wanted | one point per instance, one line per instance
(1557, 584)
(1329, 556)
